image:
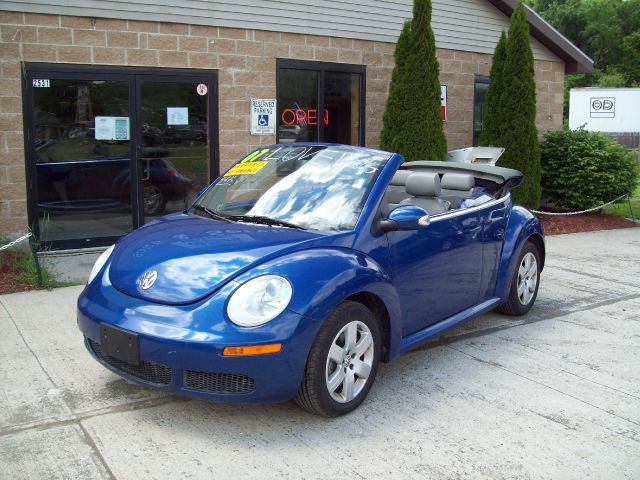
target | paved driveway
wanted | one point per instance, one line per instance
(553, 395)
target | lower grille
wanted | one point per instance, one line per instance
(218, 382)
(147, 371)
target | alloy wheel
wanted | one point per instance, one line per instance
(527, 278)
(349, 361)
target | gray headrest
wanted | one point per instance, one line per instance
(457, 181)
(423, 184)
(400, 178)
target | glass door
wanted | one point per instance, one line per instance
(81, 151)
(320, 101)
(175, 143)
(298, 106)
(109, 149)
(342, 108)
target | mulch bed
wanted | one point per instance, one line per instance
(586, 222)
(9, 276)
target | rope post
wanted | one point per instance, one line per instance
(32, 246)
(630, 208)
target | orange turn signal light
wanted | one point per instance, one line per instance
(251, 350)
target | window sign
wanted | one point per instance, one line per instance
(299, 116)
(443, 102)
(177, 116)
(263, 116)
(112, 128)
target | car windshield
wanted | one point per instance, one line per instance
(310, 187)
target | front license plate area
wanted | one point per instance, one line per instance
(120, 344)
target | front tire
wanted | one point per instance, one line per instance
(342, 363)
(525, 282)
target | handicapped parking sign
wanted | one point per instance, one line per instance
(263, 115)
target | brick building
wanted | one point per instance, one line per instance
(113, 114)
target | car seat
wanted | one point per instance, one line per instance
(456, 187)
(424, 188)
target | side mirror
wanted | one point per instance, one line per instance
(405, 217)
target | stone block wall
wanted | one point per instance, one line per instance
(246, 65)
(458, 71)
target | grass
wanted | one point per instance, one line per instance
(18, 271)
(621, 209)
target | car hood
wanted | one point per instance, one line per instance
(194, 256)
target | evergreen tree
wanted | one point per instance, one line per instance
(520, 138)
(394, 111)
(495, 116)
(413, 118)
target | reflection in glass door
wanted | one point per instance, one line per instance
(81, 144)
(175, 145)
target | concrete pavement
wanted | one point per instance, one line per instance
(555, 394)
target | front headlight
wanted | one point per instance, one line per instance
(259, 300)
(102, 259)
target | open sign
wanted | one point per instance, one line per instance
(298, 116)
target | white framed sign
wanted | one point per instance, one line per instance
(112, 128)
(177, 116)
(263, 116)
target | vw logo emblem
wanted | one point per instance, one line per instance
(148, 279)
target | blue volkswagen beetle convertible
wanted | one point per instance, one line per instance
(302, 267)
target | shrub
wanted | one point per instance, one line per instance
(393, 120)
(520, 134)
(582, 169)
(413, 119)
(495, 118)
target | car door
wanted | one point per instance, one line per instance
(493, 220)
(437, 269)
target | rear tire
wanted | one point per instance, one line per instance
(525, 282)
(342, 363)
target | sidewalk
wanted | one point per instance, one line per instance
(555, 394)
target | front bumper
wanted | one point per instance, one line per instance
(180, 347)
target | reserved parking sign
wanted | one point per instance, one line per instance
(263, 116)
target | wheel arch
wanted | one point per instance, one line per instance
(538, 241)
(522, 226)
(323, 278)
(379, 310)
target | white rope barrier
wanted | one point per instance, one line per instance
(581, 211)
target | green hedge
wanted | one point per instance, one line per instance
(582, 169)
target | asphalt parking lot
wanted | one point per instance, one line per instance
(555, 394)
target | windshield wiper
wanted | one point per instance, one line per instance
(211, 213)
(264, 220)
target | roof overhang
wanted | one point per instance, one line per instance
(576, 61)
